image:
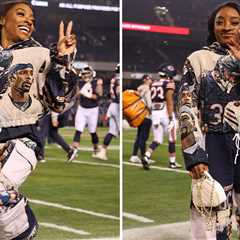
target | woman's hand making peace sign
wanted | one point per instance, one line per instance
(66, 42)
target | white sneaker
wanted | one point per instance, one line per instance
(135, 159)
(150, 161)
(72, 154)
(174, 165)
(101, 154)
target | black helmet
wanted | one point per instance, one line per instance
(167, 70)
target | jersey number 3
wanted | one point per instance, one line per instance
(218, 113)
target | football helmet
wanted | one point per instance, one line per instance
(87, 73)
(167, 70)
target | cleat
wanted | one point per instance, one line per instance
(101, 154)
(174, 165)
(40, 158)
(72, 155)
(145, 162)
(95, 152)
(135, 159)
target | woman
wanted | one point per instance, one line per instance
(144, 129)
(32, 73)
(216, 153)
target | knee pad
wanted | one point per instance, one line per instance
(95, 139)
(77, 136)
(171, 147)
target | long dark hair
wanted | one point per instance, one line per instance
(6, 5)
(211, 21)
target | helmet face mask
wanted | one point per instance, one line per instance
(167, 71)
(162, 74)
(87, 74)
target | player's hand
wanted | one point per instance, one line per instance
(171, 125)
(198, 170)
(55, 122)
(234, 45)
(67, 42)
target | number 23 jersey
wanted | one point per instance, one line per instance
(158, 92)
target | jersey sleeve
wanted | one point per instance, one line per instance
(191, 136)
(60, 81)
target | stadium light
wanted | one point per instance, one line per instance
(39, 3)
(156, 28)
(88, 7)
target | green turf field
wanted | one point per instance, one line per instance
(158, 195)
(91, 192)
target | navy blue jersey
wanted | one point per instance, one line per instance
(114, 90)
(212, 103)
(159, 89)
(88, 102)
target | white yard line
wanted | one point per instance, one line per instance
(96, 164)
(82, 148)
(148, 142)
(179, 231)
(64, 228)
(171, 231)
(156, 167)
(87, 163)
(117, 238)
(137, 218)
(79, 210)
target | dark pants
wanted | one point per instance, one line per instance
(142, 137)
(57, 138)
(47, 129)
(221, 153)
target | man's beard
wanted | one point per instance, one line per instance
(24, 88)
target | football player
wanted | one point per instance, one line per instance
(90, 90)
(112, 115)
(163, 118)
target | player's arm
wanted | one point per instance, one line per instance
(99, 90)
(118, 90)
(195, 157)
(54, 119)
(60, 79)
(169, 101)
(170, 108)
